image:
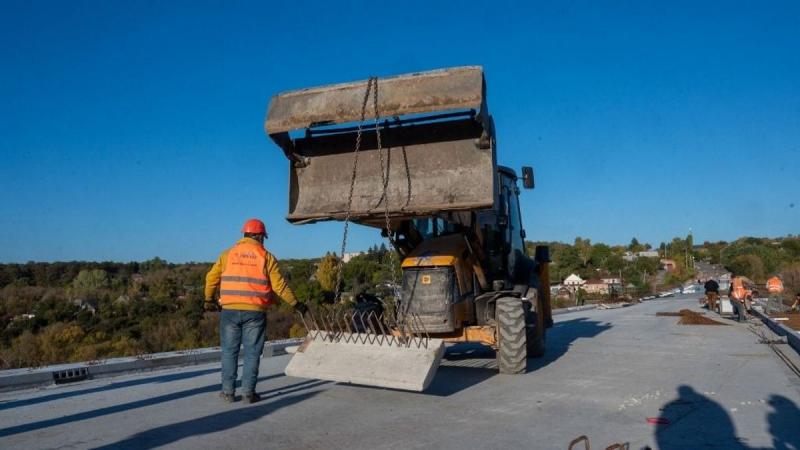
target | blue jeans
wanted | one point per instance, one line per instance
(246, 329)
(739, 310)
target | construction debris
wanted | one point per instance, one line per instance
(689, 317)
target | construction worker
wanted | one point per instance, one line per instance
(738, 296)
(775, 290)
(712, 294)
(796, 305)
(247, 278)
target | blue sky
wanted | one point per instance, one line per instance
(135, 129)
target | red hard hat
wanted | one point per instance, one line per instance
(254, 226)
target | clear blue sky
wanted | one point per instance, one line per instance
(134, 129)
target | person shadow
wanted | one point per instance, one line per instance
(784, 423)
(695, 421)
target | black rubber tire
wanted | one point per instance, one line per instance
(534, 343)
(511, 336)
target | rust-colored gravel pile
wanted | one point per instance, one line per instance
(793, 322)
(688, 317)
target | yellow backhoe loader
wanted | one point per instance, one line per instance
(415, 156)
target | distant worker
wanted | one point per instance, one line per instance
(775, 290)
(712, 294)
(796, 305)
(738, 296)
(247, 278)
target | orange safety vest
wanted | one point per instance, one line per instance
(774, 285)
(243, 279)
(739, 291)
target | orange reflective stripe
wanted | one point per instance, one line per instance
(263, 282)
(245, 293)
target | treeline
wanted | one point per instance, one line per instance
(83, 311)
(592, 260)
(759, 259)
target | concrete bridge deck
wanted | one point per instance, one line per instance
(606, 372)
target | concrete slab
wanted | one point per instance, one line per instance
(368, 361)
(606, 372)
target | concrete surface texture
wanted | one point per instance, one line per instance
(605, 373)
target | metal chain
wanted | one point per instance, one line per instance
(385, 178)
(370, 82)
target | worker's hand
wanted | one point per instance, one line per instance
(301, 308)
(210, 305)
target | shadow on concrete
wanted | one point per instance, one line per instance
(469, 364)
(561, 337)
(784, 423)
(214, 423)
(450, 380)
(111, 386)
(695, 421)
(127, 406)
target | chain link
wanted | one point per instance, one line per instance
(372, 87)
(372, 81)
(385, 178)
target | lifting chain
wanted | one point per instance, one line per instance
(372, 81)
(372, 87)
(385, 179)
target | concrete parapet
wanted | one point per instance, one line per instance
(792, 336)
(64, 373)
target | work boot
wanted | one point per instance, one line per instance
(251, 398)
(227, 397)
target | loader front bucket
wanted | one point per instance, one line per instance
(436, 152)
(378, 356)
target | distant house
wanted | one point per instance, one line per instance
(631, 256)
(559, 291)
(23, 317)
(86, 305)
(574, 281)
(595, 286)
(668, 264)
(350, 255)
(611, 280)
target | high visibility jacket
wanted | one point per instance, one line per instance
(266, 268)
(774, 285)
(738, 291)
(243, 279)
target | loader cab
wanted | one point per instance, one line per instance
(504, 235)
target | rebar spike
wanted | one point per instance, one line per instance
(368, 328)
(384, 336)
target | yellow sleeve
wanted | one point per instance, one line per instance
(213, 276)
(276, 280)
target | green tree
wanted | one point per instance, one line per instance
(89, 282)
(748, 265)
(584, 248)
(327, 272)
(635, 246)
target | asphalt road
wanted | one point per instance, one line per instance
(606, 372)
